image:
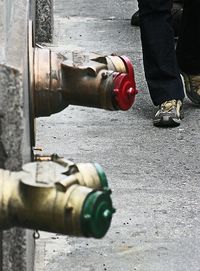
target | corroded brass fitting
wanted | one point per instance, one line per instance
(105, 82)
(54, 196)
(87, 174)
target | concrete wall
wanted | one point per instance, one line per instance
(44, 21)
(17, 246)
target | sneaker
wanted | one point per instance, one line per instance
(169, 114)
(192, 87)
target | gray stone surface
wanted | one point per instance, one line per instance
(154, 173)
(44, 21)
(17, 249)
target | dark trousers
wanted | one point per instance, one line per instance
(188, 47)
(162, 71)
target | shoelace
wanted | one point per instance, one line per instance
(168, 105)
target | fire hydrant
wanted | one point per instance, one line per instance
(105, 82)
(56, 195)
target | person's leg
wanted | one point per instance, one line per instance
(160, 65)
(135, 21)
(176, 10)
(188, 49)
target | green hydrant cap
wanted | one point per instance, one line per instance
(97, 214)
(102, 175)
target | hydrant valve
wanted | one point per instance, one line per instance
(124, 86)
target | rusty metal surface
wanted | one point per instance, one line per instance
(47, 96)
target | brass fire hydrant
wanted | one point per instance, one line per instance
(105, 82)
(56, 195)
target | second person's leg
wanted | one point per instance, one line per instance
(160, 64)
(188, 49)
(176, 11)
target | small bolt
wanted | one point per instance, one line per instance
(107, 190)
(130, 92)
(116, 90)
(113, 210)
(87, 217)
(107, 214)
(104, 75)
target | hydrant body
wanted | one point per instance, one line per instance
(48, 196)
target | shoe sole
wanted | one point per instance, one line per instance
(168, 121)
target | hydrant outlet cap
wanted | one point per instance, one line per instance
(102, 175)
(124, 91)
(96, 214)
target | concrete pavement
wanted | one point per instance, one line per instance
(154, 173)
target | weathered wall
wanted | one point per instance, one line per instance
(17, 246)
(44, 21)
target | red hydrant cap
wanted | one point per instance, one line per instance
(124, 86)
